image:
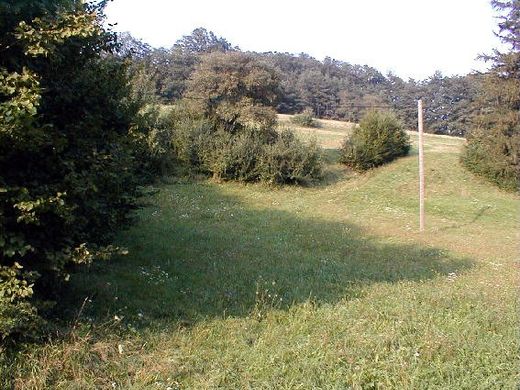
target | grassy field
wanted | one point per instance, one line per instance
(327, 287)
(330, 133)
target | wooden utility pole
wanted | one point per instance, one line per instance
(421, 165)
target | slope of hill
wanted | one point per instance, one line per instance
(246, 286)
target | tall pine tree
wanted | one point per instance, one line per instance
(493, 146)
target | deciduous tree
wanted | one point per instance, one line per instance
(67, 178)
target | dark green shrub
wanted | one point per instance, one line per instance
(493, 145)
(247, 154)
(493, 150)
(192, 140)
(288, 160)
(232, 157)
(68, 175)
(380, 138)
(150, 140)
(227, 126)
(166, 138)
(304, 119)
(186, 133)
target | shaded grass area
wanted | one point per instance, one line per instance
(214, 257)
(326, 287)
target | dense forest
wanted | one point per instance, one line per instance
(330, 88)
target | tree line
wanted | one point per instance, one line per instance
(330, 88)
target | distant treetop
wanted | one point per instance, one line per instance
(203, 41)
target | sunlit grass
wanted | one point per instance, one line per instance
(246, 286)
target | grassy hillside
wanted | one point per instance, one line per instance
(329, 133)
(245, 286)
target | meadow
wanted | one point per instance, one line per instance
(328, 286)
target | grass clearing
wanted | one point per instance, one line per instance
(329, 133)
(325, 287)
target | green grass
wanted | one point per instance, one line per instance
(325, 287)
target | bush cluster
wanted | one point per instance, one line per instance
(226, 125)
(304, 119)
(249, 154)
(379, 139)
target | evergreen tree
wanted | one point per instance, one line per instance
(493, 148)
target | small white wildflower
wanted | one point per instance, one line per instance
(120, 348)
(117, 318)
(452, 276)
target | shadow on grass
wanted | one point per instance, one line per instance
(202, 254)
(475, 218)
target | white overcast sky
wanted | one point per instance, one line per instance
(412, 38)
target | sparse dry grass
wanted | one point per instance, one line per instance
(329, 133)
(366, 301)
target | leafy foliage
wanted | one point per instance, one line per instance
(68, 177)
(380, 138)
(234, 90)
(493, 147)
(288, 160)
(166, 71)
(330, 88)
(304, 119)
(203, 41)
(225, 126)
(248, 155)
